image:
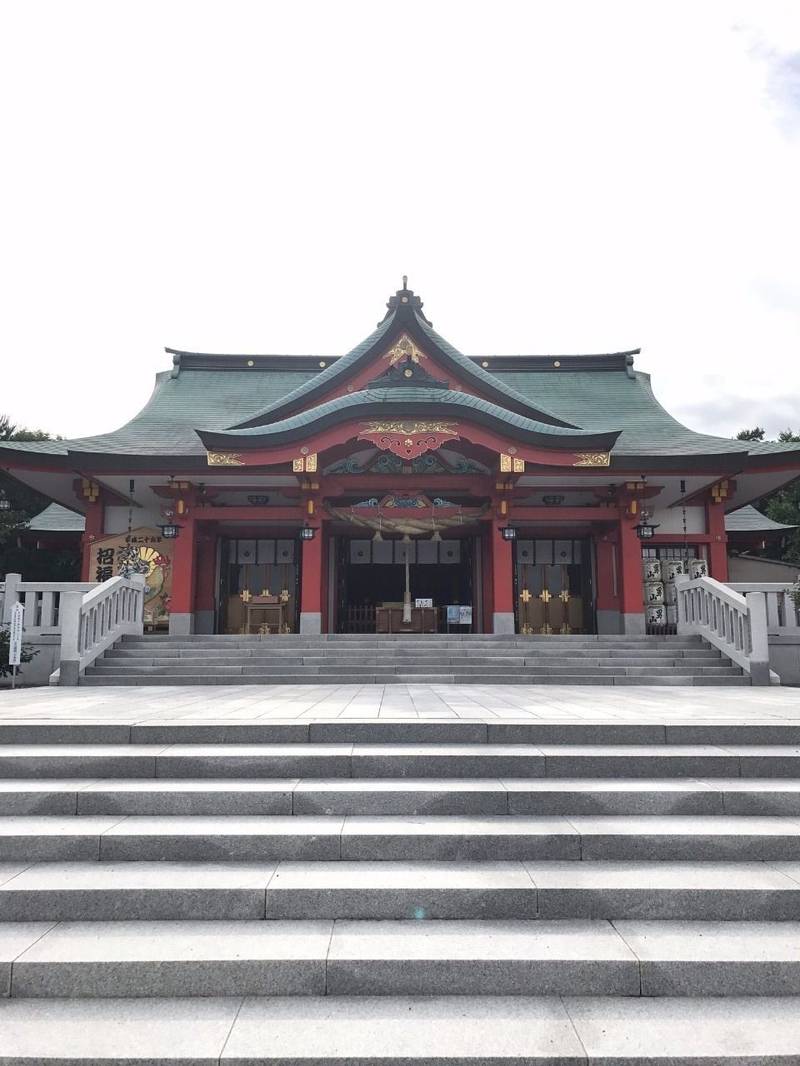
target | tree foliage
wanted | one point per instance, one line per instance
(783, 505)
(17, 557)
(5, 641)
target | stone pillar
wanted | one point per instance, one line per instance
(502, 581)
(718, 545)
(182, 607)
(632, 590)
(10, 597)
(311, 585)
(93, 530)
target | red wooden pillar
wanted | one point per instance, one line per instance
(93, 530)
(485, 543)
(607, 600)
(184, 576)
(502, 580)
(632, 618)
(205, 583)
(311, 584)
(718, 545)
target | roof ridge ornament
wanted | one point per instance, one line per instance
(404, 302)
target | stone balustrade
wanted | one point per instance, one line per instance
(731, 621)
(83, 619)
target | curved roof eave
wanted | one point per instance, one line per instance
(406, 319)
(402, 403)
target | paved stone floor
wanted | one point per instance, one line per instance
(550, 703)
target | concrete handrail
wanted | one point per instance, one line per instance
(42, 600)
(92, 621)
(783, 614)
(734, 623)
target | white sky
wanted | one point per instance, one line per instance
(241, 176)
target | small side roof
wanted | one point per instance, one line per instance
(750, 520)
(57, 519)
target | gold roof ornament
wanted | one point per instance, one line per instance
(224, 459)
(592, 459)
(404, 351)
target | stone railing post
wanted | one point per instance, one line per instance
(759, 638)
(680, 603)
(11, 596)
(70, 618)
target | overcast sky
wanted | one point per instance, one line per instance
(235, 176)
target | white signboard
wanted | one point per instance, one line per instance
(15, 635)
(459, 614)
(424, 601)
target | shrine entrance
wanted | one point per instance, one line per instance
(371, 583)
(553, 586)
(258, 585)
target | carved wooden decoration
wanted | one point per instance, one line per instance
(409, 439)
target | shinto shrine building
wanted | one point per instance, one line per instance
(404, 487)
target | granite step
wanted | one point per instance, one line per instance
(468, 665)
(204, 729)
(285, 663)
(472, 639)
(133, 680)
(400, 796)
(76, 891)
(437, 838)
(525, 957)
(278, 653)
(368, 761)
(634, 890)
(402, 1031)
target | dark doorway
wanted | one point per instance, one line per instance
(371, 574)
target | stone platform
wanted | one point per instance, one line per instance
(400, 874)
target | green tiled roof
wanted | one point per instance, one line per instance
(192, 400)
(57, 519)
(571, 397)
(404, 400)
(749, 520)
(397, 320)
(596, 398)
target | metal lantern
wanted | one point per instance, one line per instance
(170, 531)
(645, 529)
(307, 533)
(508, 532)
(5, 503)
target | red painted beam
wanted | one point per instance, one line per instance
(558, 515)
(264, 515)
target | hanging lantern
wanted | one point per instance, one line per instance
(170, 531)
(645, 529)
(508, 532)
(5, 503)
(307, 533)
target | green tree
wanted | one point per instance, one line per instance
(783, 505)
(23, 501)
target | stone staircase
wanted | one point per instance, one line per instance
(434, 659)
(390, 892)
